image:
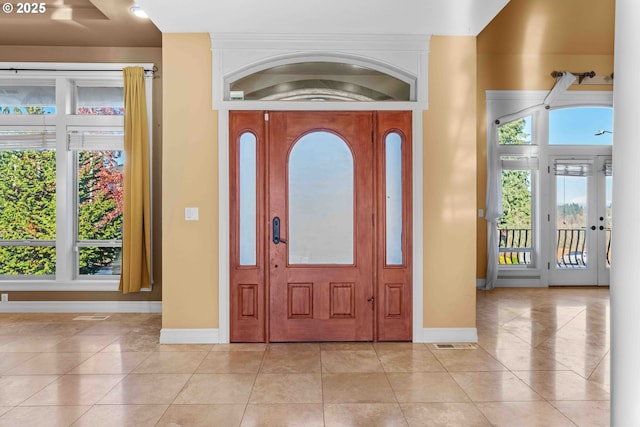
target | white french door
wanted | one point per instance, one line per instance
(580, 220)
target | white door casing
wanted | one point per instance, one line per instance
(233, 56)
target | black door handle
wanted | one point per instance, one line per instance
(601, 227)
(593, 227)
(275, 226)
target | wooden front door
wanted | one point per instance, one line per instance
(321, 203)
(320, 226)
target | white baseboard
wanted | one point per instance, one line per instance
(523, 283)
(212, 336)
(189, 336)
(448, 335)
(81, 307)
(514, 282)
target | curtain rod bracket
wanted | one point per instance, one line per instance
(580, 76)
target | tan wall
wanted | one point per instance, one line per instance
(520, 48)
(190, 293)
(107, 54)
(450, 184)
(190, 179)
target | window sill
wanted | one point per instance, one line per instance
(53, 285)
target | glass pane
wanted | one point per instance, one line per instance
(393, 186)
(100, 261)
(33, 100)
(571, 221)
(321, 201)
(248, 219)
(320, 81)
(100, 101)
(581, 126)
(27, 195)
(27, 260)
(514, 227)
(517, 132)
(100, 194)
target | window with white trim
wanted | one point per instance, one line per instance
(518, 163)
(61, 177)
(27, 199)
(98, 157)
(521, 147)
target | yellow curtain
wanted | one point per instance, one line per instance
(136, 228)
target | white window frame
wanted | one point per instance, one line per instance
(532, 152)
(111, 143)
(502, 103)
(66, 76)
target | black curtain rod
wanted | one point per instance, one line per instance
(580, 76)
(16, 70)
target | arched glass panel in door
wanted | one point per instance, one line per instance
(321, 200)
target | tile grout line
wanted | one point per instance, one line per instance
(324, 418)
(255, 380)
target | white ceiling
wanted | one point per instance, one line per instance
(109, 22)
(434, 17)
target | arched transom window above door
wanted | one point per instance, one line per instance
(322, 81)
(306, 68)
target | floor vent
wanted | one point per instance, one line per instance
(91, 318)
(456, 346)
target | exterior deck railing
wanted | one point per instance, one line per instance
(516, 247)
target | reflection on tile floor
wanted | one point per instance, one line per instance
(542, 359)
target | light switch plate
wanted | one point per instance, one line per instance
(191, 214)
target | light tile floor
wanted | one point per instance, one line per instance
(542, 359)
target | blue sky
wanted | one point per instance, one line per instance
(578, 126)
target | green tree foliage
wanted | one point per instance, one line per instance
(27, 210)
(28, 206)
(516, 184)
(513, 133)
(10, 110)
(100, 206)
(516, 200)
(22, 110)
(571, 215)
